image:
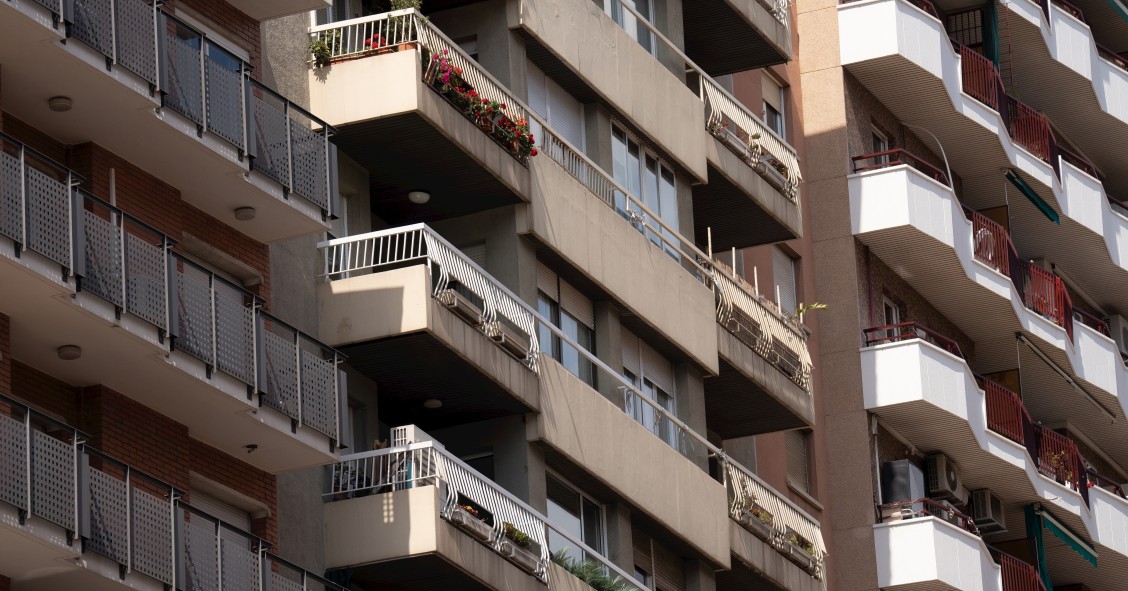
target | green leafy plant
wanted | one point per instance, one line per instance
(592, 573)
(803, 308)
(324, 46)
(518, 537)
(801, 542)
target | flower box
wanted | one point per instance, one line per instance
(510, 340)
(470, 524)
(756, 526)
(796, 554)
(522, 557)
(460, 305)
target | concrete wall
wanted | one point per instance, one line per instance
(595, 239)
(593, 433)
(509, 258)
(761, 193)
(769, 563)
(766, 24)
(636, 84)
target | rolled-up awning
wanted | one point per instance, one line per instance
(1038, 519)
(1033, 196)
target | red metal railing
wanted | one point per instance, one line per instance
(1058, 458)
(1006, 415)
(981, 79)
(1117, 60)
(1090, 320)
(1046, 295)
(1018, 575)
(897, 157)
(907, 331)
(1031, 130)
(1076, 160)
(926, 507)
(1071, 9)
(1105, 482)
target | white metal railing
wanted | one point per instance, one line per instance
(463, 490)
(419, 242)
(762, 146)
(757, 323)
(750, 498)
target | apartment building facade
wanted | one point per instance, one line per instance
(327, 295)
(963, 208)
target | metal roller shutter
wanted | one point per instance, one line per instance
(577, 305)
(546, 282)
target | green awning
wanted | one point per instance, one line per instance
(1038, 519)
(1120, 8)
(1032, 195)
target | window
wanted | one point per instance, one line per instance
(630, 23)
(572, 313)
(783, 273)
(891, 313)
(798, 444)
(880, 143)
(653, 375)
(561, 110)
(575, 513)
(655, 566)
(774, 104)
(646, 177)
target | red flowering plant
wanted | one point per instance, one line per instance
(375, 42)
(517, 136)
(448, 76)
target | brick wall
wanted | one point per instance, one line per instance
(881, 282)
(55, 397)
(237, 27)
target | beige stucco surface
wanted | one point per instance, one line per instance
(592, 432)
(590, 235)
(636, 84)
(758, 190)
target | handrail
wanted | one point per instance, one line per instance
(632, 394)
(418, 241)
(933, 508)
(749, 494)
(1078, 161)
(1092, 321)
(427, 463)
(1071, 9)
(992, 245)
(1105, 482)
(1112, 57)
(1018, 575)
(101, 496)
(1047, 296)
(898, 157)
(907, 331)
(721, 103)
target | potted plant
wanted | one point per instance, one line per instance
(519, 548)
(323, 47)
(755, 518)
(471, 519)
(594, 574)
(800, 551)
(405, 24)
(1060, 468)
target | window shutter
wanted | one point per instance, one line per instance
(221, 510)
(657, 369)
(566, 114)
(577, 305)
(783, 273)
(476, 253)
(798, 460)
(631, 360)
(669, 570)
(642, 557)
(772, 92)
(546, 282)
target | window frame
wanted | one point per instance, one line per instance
(662, 170)
(602, 508)
(780, 113)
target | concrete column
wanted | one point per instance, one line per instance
(689, 385)
(597, 122)
(699, 576)
(512, 458)
(619, 539)
(609, 347)
(535, 465)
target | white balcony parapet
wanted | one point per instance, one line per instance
(129, 264)
(56, 478)
(399, 245)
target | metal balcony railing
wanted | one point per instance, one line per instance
(48, 472)
(732, 122)
(131, 265)
(771, 516)
(907, 331)
(926, 507)
(390, 248)
(1018, 575)
(211, 87)
(897, 157)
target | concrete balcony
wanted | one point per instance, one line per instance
(623, 74)
(1057, 49)
(74, 518)
(592, 431)
(926, 553)
(414, 515)
(958, 96)
(398, 118)
(194, 116)
(76, 271)
(424, 321)
(726, 36)
(976, 280)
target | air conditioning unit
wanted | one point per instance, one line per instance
(987, 512)
(1119, 326)
(944, 480)
(408, 434)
